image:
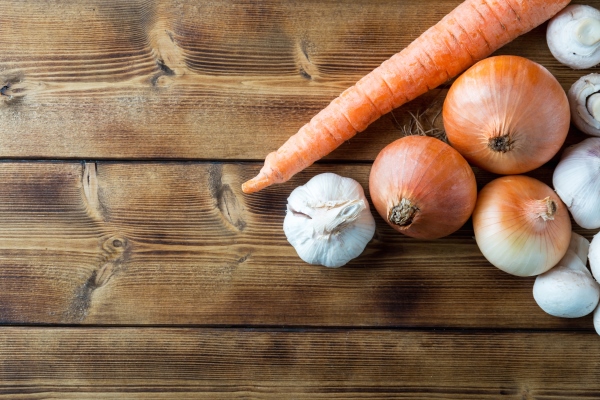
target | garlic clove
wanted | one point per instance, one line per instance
(584, 102)
(576, 180)
(594, 256)
(573, 36)
(580, 246)
(568, 290)
(328, 220)
(572, 261)
(596, 320)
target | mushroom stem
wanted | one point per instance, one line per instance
(593, 106)
(587, 31)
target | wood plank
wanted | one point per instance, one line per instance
(229, 363)
(178, 243)
(228, 80)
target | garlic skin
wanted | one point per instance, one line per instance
(328, 220)
(594, 256)
(568, 290)
(576, 180)
(579, 246)
(584, 102)
(596, 320)
(573, 36)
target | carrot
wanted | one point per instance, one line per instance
(469, 33)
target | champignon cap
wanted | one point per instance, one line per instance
(568, 290)
(573, 36)
(584, 101)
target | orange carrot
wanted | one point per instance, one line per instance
(469, 33)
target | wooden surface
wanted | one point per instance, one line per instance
(132, 265)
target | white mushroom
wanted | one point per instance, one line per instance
(328, 220)
(568, 290)
(584, 101)
(573, 36)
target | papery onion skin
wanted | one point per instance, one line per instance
(507, 115)
(576, 179)
(422, 187)
(521, 226)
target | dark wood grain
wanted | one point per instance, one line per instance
(272, 364)
(133, 267)
(220, 80)
(178, 243)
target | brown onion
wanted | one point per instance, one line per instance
(521, 225)
(422, 187)
(506, 114)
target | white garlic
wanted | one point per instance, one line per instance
(596, 320)
(573, 36)
(576, 180)
(594, 259)
(580, 247)
(568, 290)
(328, 220)
(594, 256)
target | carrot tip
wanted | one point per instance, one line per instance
(257, 183)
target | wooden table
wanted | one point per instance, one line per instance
(132, 265)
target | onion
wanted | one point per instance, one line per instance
(422, 187)
(521, 226)
(506, 114)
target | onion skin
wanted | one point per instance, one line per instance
(507, 115)
(422, 187)
(521, 226)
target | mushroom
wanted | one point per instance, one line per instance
(568, 290)
(573, 36)
(584, 101)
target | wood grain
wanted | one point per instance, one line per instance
(132, 266)
(218, 80)
(178, 243)
(136, 363)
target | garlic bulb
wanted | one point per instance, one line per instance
(568, 290)
(584, 101)
(573, 36)
(328, 220)
(576, 180)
